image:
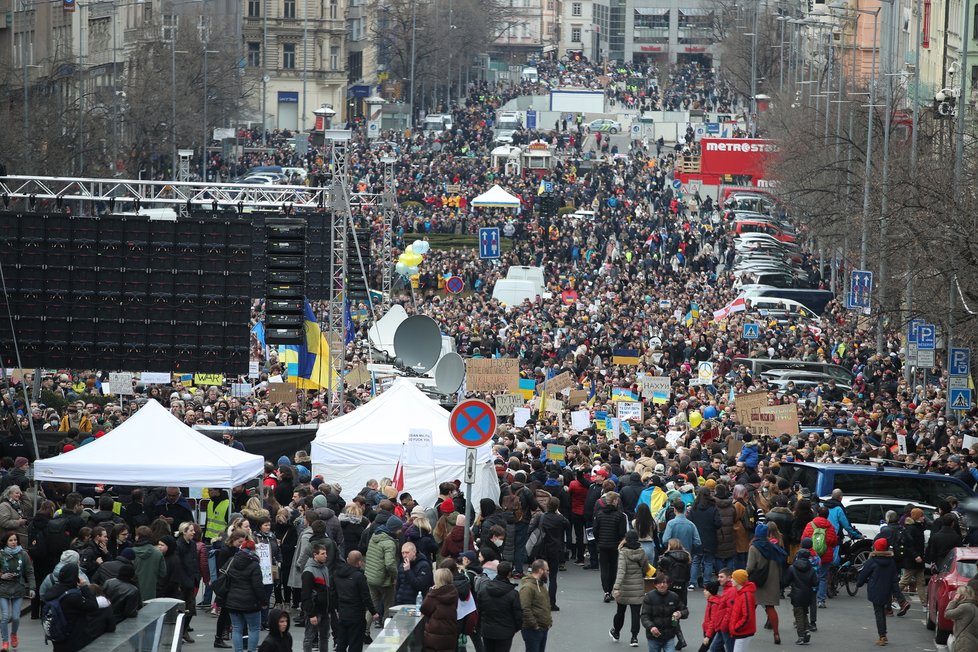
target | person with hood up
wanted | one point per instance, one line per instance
(245, 594)
(715, 614)
(765, 560)
(334, 529)
(537, 618)
(16, 583)
(279, 639)
(381, 566)
(553, 527)
(76, 606)
(414, 575)
(500, 611)
(801, 580)
(824, 540)
(661, 612)
(149, 564)
(352, 600)
(742, 624)
(440, 607)
(609, 529)
(453, 544)
(629, 587)
(67, 557)
(749, 454)
(880, 576)
(316, 590)
(123, 592)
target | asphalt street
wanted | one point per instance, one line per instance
(584, 620)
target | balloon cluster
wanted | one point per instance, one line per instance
(409, 261)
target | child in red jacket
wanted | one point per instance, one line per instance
(742, 624)
(714, 620)
(727, 594)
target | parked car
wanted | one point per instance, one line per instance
(866, 513)
(905, 485)
(960, 565)
(605, 125)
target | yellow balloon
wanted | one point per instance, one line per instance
(411, 259)
(409, 249)
(695, 419)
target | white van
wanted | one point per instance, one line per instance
(527, 273)
(510, 292)
(778, 306)
(530, 74)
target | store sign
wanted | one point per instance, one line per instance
(735, 156)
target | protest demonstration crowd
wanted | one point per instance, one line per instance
(683, 496)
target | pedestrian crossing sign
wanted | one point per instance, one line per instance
(960, 398)
(752, 331)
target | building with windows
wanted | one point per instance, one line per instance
(531, 30)
(296, 52)
(652, 31)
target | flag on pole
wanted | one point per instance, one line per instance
(398, 478)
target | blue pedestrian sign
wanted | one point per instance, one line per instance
(489, 242)
(959, 362)
(960, 398)
(751, 331)
(860, 292)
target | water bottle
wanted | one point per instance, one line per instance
(417, 603)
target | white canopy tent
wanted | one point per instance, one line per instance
(153, 447)
(368, 442)
(496, 197)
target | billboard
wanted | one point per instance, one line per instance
(738, 157)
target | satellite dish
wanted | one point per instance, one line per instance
(449, 373)
(381, 334)
(417, 343)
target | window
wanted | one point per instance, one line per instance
(288, 9)
(576, 9)
(333, 9)
(254, 55)
(169, 27)
(288, 56)
(575, 34)
(334, 57)
(254, 8)
(925, 37)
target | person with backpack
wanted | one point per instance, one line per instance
(880, 574)
(894, 533)
(629, 587)
(801, 580)
(765, 561)
(824, 541)
(16, 583)
(67, 605)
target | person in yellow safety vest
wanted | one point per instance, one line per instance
(217, 513)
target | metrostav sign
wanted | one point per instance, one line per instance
(735, 156)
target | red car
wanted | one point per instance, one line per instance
(960, 565)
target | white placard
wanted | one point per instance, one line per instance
(613, 425)
(580, 420)
(122, 382)
(419, 449)
(521, 416)
(705, 372)
(673, 436)
(252, 369)
(629, 410)
(264, 552)
(241, 389)
(968, 441)
(154, 378)
(504, 404)
(902, 444)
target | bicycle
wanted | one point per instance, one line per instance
(853, 553)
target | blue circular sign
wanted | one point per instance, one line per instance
(472, 423)
(454, 284)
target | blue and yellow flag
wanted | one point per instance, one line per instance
(694, 310)
(688, 319)
(624, 356)
(309, 364)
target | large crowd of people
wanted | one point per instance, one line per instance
(668, 509)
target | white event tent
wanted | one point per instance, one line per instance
(496, 197)
(153, 447)
(368, 442)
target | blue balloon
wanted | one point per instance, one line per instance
(710, 412)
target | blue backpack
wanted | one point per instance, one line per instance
(53, 619)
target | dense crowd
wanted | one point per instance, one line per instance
(671, 504)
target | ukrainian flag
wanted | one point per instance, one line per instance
(623, 394)
(688, 318)
(309, 364)
(694, 310)
(624, 356)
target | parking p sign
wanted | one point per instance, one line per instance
(959, 362)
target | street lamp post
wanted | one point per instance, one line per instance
(414, 25)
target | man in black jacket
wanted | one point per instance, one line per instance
(913, 558)
(500, 611)
(352, 598)
(945, 538)
(661, 613)
(315, 599)
(609, 529)
(553, 526)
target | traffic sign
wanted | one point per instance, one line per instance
(472, 423)
(470, 465)
(926, 337)
(454, 284)
(548, 186)
(751, 331)
(860, 290)
(959, 362)
(489, 242)
(960, 399)
(912, 327)
(677, 184)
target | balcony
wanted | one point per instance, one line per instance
(651, 35)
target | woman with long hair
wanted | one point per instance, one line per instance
(119, 539)
(16, 583)
(962, 610)
(629, 587)
(801, 517)
(648, 531)
(765, 563)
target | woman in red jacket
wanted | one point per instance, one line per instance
(578, 494)
(714, 620)
(742, 625)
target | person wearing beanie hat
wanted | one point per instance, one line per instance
(801, 580)
(913, 555)
(78, 606)
(742, 624)
(380, 566)
(122, 591)
(629, 586)
(880, 575)
(714, 619)
(765, 559)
